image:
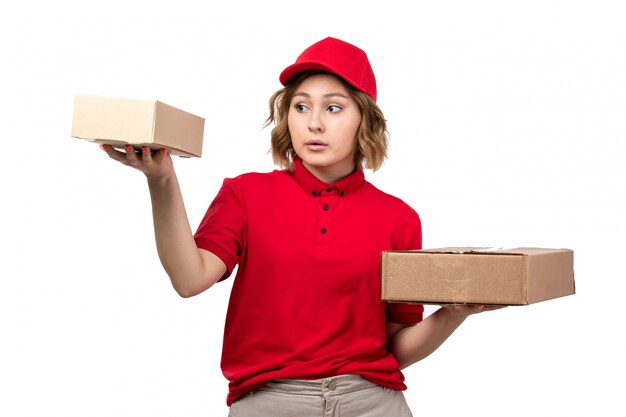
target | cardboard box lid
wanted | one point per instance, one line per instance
(477, 275)
(468, 250)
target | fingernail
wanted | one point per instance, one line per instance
(163, 151)
(128, 148)
(145, 149)
(104, 147)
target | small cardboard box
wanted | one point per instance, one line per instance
(120, 121)
(477, 275)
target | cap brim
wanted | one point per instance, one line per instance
(291, 71)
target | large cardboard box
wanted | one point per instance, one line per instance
(120, 121)
(477, 275)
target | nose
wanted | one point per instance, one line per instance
(316, 123)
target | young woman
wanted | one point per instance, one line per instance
(306, 332)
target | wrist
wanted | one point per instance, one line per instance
(160, 180)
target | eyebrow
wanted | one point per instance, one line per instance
(329, 95)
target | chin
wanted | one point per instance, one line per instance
(317, 161)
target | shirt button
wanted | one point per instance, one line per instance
(326, 207)
(332, 385)
(328, 190)
(323, 231)
(341, 194)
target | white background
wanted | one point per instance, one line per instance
(507, 129)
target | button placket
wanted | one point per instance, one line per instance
(326, 196)
(325, 214)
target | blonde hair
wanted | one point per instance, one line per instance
(372, 135)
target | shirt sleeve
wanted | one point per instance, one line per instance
(221, 230)
(408, 236)
(404, 313)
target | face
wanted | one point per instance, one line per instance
(323, 122)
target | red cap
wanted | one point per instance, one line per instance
(337, 57)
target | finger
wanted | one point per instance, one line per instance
(159, 155)
(114, 153)
(131, 156)
(146, 155)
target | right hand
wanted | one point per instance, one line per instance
(154, 164)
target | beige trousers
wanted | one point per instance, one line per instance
(341, 396)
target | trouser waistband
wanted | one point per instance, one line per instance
(326, 387)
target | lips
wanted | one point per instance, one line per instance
(315, 145)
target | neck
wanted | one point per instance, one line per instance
(330, 175)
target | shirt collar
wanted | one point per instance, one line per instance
(314, 186)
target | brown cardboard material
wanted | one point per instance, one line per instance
(120, 121)
(477, 275)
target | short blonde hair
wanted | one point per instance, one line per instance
(372, 135)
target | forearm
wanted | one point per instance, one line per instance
(190, 269)
(414, 343)
(176, 247)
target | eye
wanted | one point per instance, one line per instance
(300, 107)
(333, 108)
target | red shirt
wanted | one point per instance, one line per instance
(306, 303)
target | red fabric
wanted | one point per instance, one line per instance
(305, 303)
